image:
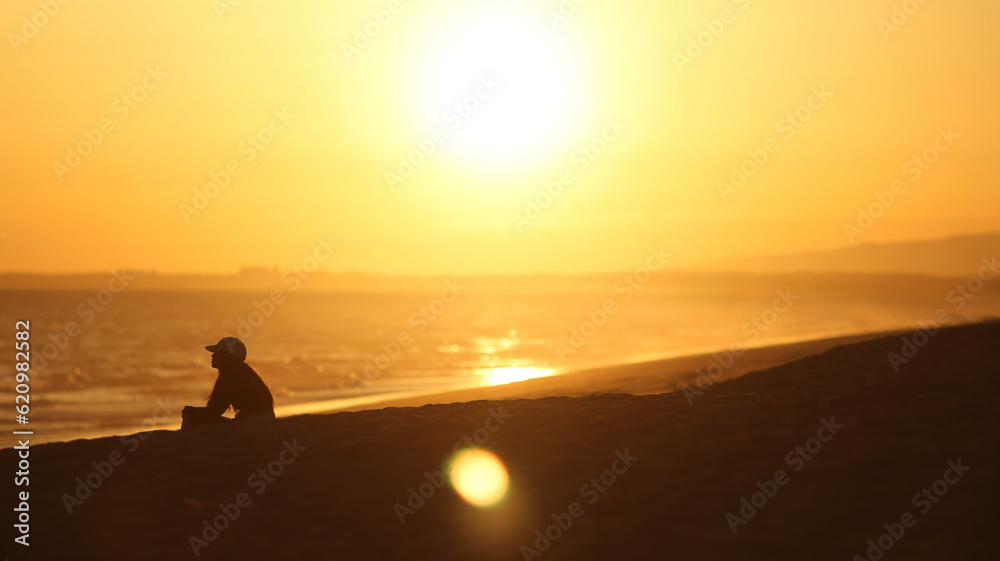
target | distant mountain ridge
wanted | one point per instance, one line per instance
(950, 257)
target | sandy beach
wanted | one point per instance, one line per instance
(645, 377)
(613, 475)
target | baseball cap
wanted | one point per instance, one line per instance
(230, 345)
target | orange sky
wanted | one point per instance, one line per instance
(313, 114)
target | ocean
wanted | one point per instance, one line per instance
(104, 363)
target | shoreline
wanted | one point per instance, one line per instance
(642, 375)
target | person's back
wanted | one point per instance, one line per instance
(240, 386)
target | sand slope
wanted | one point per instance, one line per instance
(648, 377)
(695, 462)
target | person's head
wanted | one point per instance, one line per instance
(229, 351)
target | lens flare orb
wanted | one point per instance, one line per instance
(479, 477)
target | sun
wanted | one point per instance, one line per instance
(502, 88)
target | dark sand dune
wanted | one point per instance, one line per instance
(694, 464)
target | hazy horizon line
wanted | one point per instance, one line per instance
(695, 267)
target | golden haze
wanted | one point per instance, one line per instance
(222, 77)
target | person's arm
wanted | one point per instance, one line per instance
(219, 401)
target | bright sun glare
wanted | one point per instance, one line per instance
(511, 374)
(507, 90)
(479, 477)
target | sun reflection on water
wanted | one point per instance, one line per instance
(511, 374)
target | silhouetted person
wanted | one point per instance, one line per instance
(238, 386)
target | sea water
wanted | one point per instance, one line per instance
(132, 363)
